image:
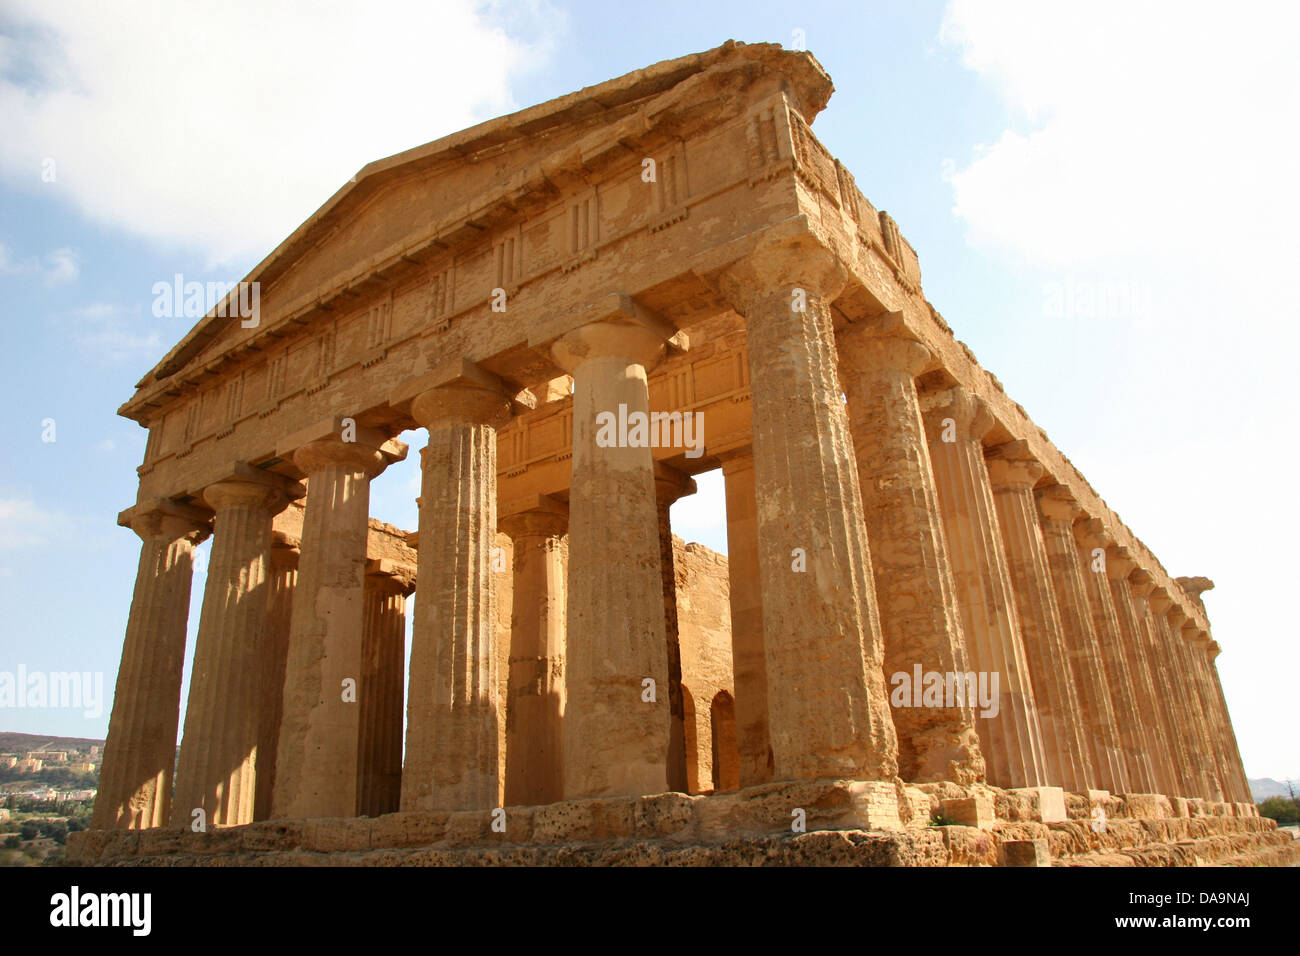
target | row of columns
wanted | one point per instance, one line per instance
(871, 535)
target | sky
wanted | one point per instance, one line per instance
(1102, 196)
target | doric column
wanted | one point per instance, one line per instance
(135, 781)
(670, 485)
(1119, 567)
(1193, 642)
(316, 761)
(1058, 510)
(282, 580)
(535, 712)
(749, 663)
(616, 725)
(453, 738)
(218, 760)
(1236, 771)
(1172, 696)
(379, 693)
(956, 422)
(1013, 473)
(1204, 780)
(828, 706)
(1092, 541)
(919, 620)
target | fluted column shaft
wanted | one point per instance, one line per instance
(135, 780)
(1119, 567)
(453, 718)
(617, 711)
(1058, 512)
(1119, 678)
(1236, 769)
(1152, 606)
(671, 485)
(749, 663)
(219, 751)
(275, 655)
(1010, 738)
(383, 672)
(1060, 713)
(919, 620)
(1193, 643)
(535, 684)
(316, 760)
(828, 711)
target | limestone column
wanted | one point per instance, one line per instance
(1058, 509)
(1177, 721)
(671, 485)
(275, 654)
(749, 663)
(1191, 719)
(1092, 541)
(617, 711)
(1011, 740)
(135, 780)
(380, 690)
(535, 713)
(316, 760)
(1013, 473)
(919, 620)
(453, 737)
(1194, 642)
(828, 710)
(1236, 770)
(217, 769)
(1119, 567)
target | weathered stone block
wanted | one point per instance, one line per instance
(410, 828)
(1148, 806)
(973, 811)
(1024, 853)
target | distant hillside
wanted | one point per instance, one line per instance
(1268, 787)
(13, 743)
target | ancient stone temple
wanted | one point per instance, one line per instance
(931, 641)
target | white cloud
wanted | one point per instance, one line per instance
(110, 334)
(1150, 147)
(55, 268)
(224, 125)
(26, 525)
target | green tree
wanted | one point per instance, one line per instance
(13, 842)
(1285, 811)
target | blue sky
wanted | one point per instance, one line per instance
(1037, 156)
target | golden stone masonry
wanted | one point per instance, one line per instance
(584, 687)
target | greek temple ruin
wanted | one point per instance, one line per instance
(926, 614)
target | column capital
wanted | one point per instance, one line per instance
(164, 518)
(390, 576)
(1119, 563)
(969, 414)
(1057, 505)
(882, 346)
(631, 341)
(737, 460)
(1213, 650)
(1141, 583)
(671, 484)
(1092, 533)
(1160, 601)
(539, 515)
(1013, 465)
(338, 442)
(1176, 616)
(250, 487)
(782, 268)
